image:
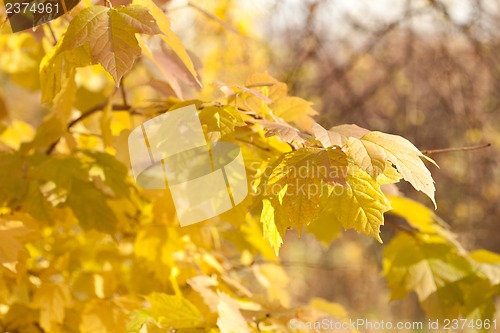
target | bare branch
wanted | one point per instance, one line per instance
(450, 150)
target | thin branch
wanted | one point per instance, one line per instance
(95, 109)
(263, 84)
(450, 150)
(52, 32)
(296, 264)
(215, 18)
(124, 93)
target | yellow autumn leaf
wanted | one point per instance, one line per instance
(55, 124)
(371, 150)
(297, 187)
(17, 133)
(58, 64)
(270, 230)
(109, 35)
(103, 316)
(361, 205)
(173, 311)
(424, 271)
(367, 155)
(52, 299)
(405, 156)
(168, 35)
(489, 263)
(11, 240)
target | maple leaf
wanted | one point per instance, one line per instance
(371, 151)
(405, 156)
(11, 241)
(431, 268)
(109, 34)
(220, 122)
(337, 135)
(52, 299)
(286, 132)
(362, 205)
(296, 189)
(102, 316)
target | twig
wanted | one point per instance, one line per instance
(52, 32)
(95, 109)
(263, 84)
(449, 150)
(215, 18)
(124, 93)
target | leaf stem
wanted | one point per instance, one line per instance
(214, 17)
(399, 227)
(124, 93)
(52, 33)
(449, 150)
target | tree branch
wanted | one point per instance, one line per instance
(95, 109)
(215, 18)
(449, 150)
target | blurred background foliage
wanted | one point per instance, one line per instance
(428, 70)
